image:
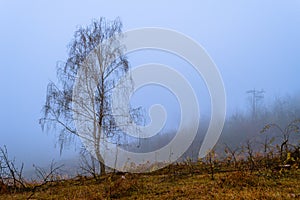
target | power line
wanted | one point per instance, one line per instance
(256, 96)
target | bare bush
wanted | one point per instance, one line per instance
(285, 145)
(10, 174)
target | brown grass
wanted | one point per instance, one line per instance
(176, 182)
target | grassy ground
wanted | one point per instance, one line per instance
(173, 183)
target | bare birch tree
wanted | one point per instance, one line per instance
(101, 39)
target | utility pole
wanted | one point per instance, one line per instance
(256, 96)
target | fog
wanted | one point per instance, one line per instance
(255, 45)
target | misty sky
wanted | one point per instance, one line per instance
(254, 44)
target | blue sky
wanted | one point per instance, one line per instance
(255, 44)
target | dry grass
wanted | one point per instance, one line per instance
(173, 183)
